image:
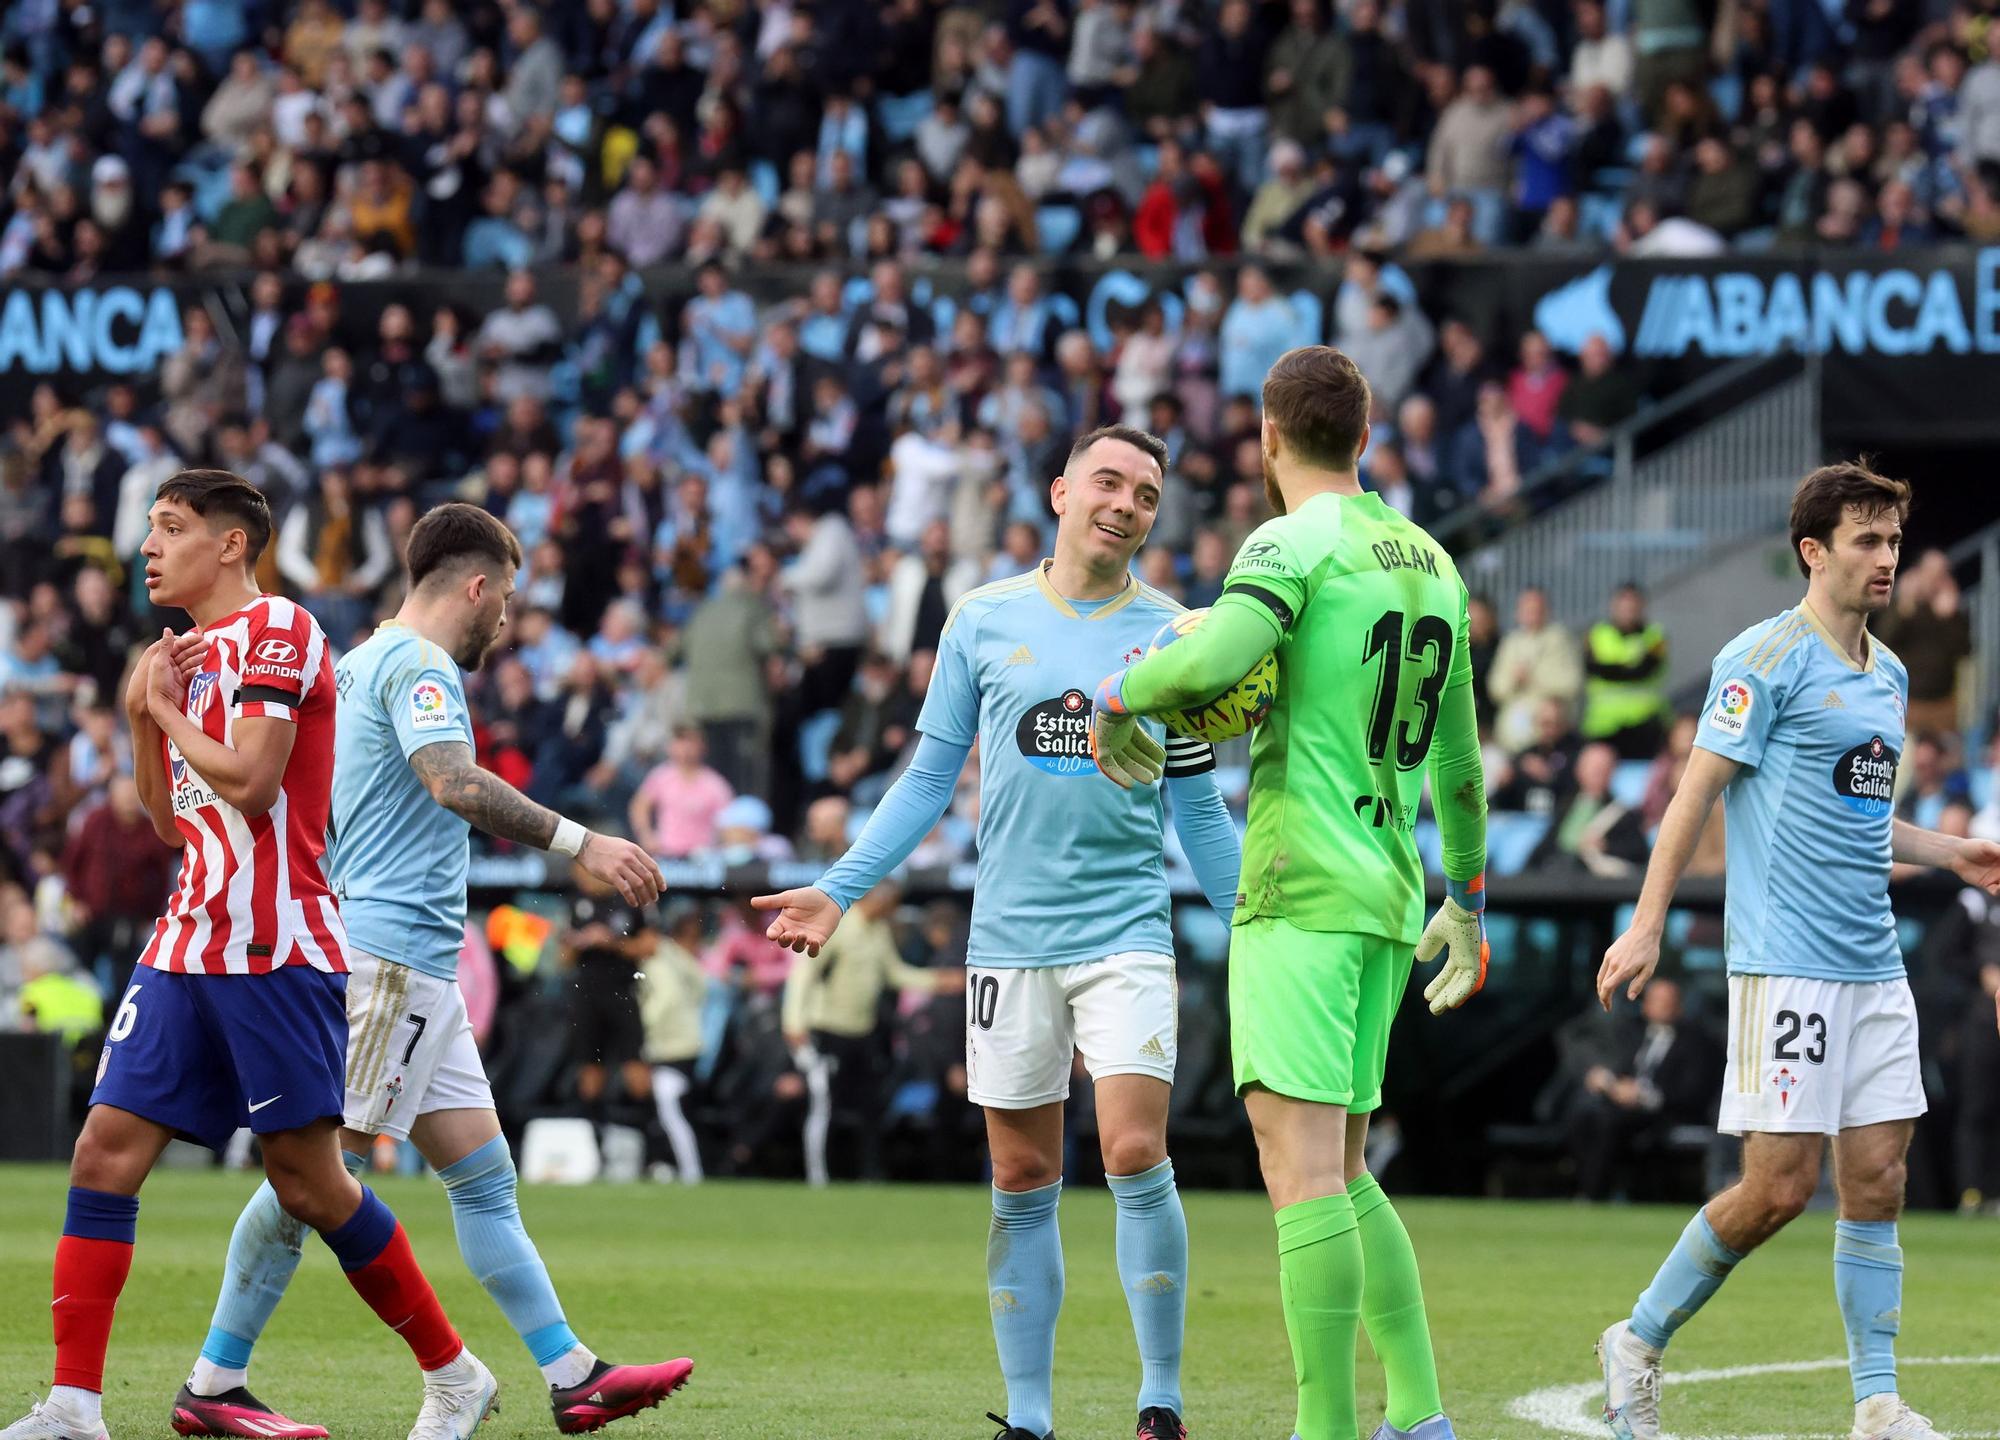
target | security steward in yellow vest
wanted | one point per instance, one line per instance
(1625, 684)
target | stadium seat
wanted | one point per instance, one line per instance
(1628, 782)
(1597, 215)
(1511, 837)
(901, 114)
(1056, 228)
(495, 242)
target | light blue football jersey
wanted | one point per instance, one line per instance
(1070, 866)
(397, 859)
(1809, 816)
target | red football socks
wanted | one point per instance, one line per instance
(396, 1290)
(92, 1260)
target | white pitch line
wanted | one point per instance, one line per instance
(1559, 1409)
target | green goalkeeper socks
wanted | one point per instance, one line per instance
(1319, 1275)
(1392, 1308)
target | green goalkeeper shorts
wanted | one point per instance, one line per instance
(1310, 1010)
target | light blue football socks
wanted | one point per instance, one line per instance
(1153, 1267)
(1868, 1280)
(1024, 1288)
(486, 1211)
(1700, 1262)
(264, 1251)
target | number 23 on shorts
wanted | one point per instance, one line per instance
(1789, 1028)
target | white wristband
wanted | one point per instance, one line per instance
(569, 838)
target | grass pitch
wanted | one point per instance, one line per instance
(859, 1312)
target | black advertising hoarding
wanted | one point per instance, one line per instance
(1910, 343)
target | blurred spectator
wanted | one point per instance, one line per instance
(1625, 696)
(1543, 771)
(675, 811)
(1600, 398)
(603, 946)
(1483, 641)
(1393, 350)
(832, 1016)
(335, 555)
(1931, 634)
(673, 992)
(1637, 1075)
(116, 874)
(1536, 387)
(728, 641)
(1592, 833)
(1259, 326)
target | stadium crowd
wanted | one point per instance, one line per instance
(745, 524)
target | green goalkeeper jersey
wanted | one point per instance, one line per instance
(1374, 688)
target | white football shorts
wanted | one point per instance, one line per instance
(1813, 1056)
(410, 1049)
(1024, 1027)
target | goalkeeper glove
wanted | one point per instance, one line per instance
(1458, 929)
(1119, 744)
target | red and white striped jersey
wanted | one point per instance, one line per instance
(252, 894)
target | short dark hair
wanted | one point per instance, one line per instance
(1825, 496)
(1132, 435)
(223, 495)
(1318, 399)
(458, 534)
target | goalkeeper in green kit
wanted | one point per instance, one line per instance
(1367, 616)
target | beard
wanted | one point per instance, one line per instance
(1272, 493)
(478, 645)
(111, 211)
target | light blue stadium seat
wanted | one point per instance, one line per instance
(1511, 838)
(1597, 216)
(495, 242)
(1056, 227)
(1628, 782)
(816, 741)
(901, 114)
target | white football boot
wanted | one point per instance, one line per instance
(456, 1398)
(48, 1422)
(1886, 1417)
(1631, 1384)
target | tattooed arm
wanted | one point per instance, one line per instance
(457, 782)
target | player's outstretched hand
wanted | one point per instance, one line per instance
(623, 866)
(806, 917)
(1630, 962)
(1977, 862)
(1123, 750)
(1461, 934)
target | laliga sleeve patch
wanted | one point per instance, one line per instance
(1732, 708)
(430, 707)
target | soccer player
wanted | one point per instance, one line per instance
(1800, 735)
(1368, 618)
(406, 789)
(233, 1015)
(1072, 940)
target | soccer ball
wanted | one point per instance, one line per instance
(1236, 710)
